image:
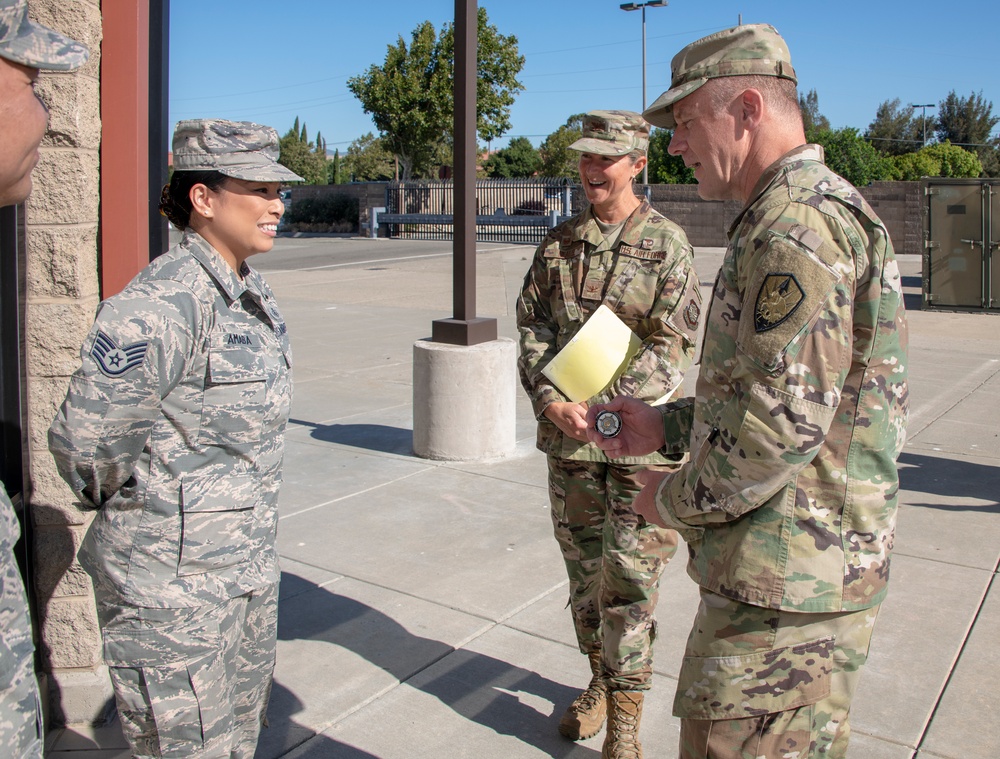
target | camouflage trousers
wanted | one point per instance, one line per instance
(20, 707)
(614, 564)
(762, 683)
(192, 682)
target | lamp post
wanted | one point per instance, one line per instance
(642, 7)
(923, 118)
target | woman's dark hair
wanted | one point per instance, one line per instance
(175, 202)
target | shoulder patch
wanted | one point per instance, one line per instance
(692, 313)
(779, 296)
(115, 360)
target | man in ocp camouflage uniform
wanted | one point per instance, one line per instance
(25, 47)
(623, 254)
(788, 501)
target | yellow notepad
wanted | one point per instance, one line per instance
(595, 357)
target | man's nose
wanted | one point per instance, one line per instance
(677, 143)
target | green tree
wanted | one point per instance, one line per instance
(912, 166)
(940, 160)
(812, 119)
(895, 130)
(518, 159)
(368, 160)
(411, 96)
(301, 156)
(966, 121)
(990, 158)
(557, 159)
(853, 157)
(336, 168)
(663, 167)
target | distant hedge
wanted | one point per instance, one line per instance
(335, 213)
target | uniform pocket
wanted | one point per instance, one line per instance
(233, 407)
(790, 288)
(736, 687)
(174, 676)
(780, 433)
(217, 516)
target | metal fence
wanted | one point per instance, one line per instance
(507, 210)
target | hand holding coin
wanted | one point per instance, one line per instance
(608, 423)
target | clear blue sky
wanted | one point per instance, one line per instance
(269, 62)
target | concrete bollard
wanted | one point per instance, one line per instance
(464, 399)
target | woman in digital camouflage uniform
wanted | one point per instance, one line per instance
(621, 253)
(173, 431)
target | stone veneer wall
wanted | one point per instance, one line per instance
(62, 296)
(898, 204)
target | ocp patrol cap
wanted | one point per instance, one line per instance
(739, 51)
(612, 133)
(238, 149)
(30, 44)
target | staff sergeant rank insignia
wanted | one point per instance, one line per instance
(114, 360)
(777, 299)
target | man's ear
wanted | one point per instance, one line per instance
(751, 108)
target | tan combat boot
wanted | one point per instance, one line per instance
(585, 716)
(624, 713)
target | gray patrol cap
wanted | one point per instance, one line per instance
(30, 44)
(612, 133)
(741, 50)
(238, 149)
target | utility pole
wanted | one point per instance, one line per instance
(642, 7)
(923, 118)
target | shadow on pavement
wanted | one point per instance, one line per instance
(950, 478)
(489, 691)
(283, 735)
(372, 437)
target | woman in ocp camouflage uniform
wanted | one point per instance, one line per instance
(623, 254)
(173, 430)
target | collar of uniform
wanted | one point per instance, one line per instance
(635, 225)
(587, 229)
(579, 228)
(771, 173)
(214, 264)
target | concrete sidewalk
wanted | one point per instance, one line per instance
(422, 603)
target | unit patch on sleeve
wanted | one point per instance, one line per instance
(692, 313)
(114, 360)
(777, 299)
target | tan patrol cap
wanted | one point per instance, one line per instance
(613, 133)
(747, 49)
(238, 149)
(30, 44)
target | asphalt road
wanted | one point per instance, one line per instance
(314, 253)
(305, 253)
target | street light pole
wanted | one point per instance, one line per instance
(642, 7)
(923, 118)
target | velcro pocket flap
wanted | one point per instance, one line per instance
(145, 646)
(789, 289)
(218, 522)
(236, 364)
(736, 687)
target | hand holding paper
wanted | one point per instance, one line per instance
(595, 357)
